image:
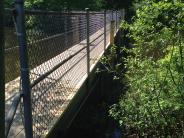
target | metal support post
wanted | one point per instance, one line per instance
(116, 20)
(65, 31)
(88, 41)
(112, 17)
(105, 30)
(112, 29)
(112, 32)
(119, 18)
(21, 35)
(123, 14)
(2, 72)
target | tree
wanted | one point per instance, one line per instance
(153, 103)
(61, 4)
(118, 4)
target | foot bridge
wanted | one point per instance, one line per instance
(49, 57)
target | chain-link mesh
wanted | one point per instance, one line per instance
(97, 36)
(12, 73)
(12, 67)
(57, 53)
(108, 26)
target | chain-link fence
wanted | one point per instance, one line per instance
(57, 58)
(12, 74)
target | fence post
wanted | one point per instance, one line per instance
(105, 30)
(21, 35)
(2, 72)
(112, 30)
(88, 42)
(123, 14)
(116, 20)
(65, 31)
(112, 16)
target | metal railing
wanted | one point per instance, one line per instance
(44, 66)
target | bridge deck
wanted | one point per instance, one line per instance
(72, 75)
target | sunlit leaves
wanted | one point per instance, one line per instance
(154, 102)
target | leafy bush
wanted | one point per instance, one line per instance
(154, 102)
(58, 5)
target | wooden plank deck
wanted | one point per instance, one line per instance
(51, 96)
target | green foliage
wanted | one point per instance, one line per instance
(154, 102)
(60, 4)
(72, 4)
(118, 4)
